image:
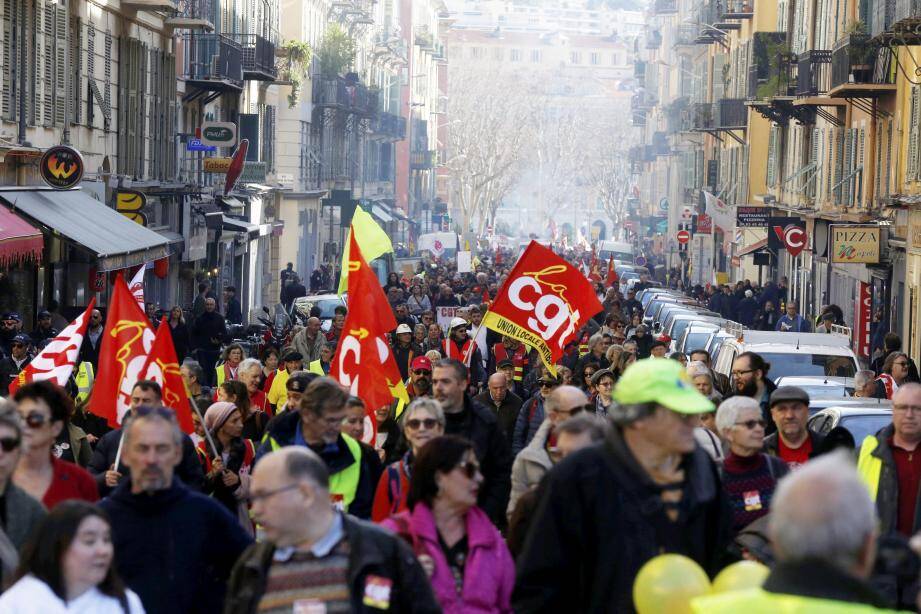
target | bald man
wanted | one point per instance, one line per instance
(305, 535)
(535, 460)
(504, 402)
(309, 341)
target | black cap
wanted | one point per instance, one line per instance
(789, 393)
(44, 313)
(21, 338)
(12, 315)
(658, 343)
(299, 380)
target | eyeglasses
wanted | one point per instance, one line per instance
(422, 372)
(8, 444)
(751, 424)
(619, 325)
(35, 420)
(741, 373)
(415, 423)
(469, 469)
(574, 410)
(18, 345)
(902, 364)
(270, 493)
(547, 383)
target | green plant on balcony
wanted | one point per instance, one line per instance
(336, 51)
(296, 57)
(771, 55)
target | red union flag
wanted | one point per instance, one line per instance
(126, 341)
(363, 361)
(162, 366)
(56, 361)
(544, 301)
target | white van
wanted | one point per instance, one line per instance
(788, 354)
(621, 251)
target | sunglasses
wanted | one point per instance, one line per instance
(35, 420)
(8, 444)
(415, 423)
(547, 384)
(751, 424)
(422, 372)
(469, 469)
(18, 345)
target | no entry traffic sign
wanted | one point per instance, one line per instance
(683, 236)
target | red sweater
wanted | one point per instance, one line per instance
(69, 482)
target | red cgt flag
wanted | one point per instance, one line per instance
(56, 361)
(363, 361)
(162, 366)
(126, 341)
(544, 301)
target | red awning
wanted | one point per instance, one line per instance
(752, 248)
(19, 240)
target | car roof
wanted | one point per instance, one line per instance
(794, 339)
(857, 406)
(812, 380)
(784, 348)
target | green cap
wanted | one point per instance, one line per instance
(663, 381)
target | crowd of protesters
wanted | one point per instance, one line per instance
(502, 486)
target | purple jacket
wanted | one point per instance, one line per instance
(489, 572)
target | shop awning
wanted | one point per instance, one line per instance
(19, 240)
(172, 237)
(754, 247)
(235, 225)
(381, 213)
(117, 242)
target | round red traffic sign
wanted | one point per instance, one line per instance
(683, 236)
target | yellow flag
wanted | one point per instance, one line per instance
(372, 240)
(401, 394)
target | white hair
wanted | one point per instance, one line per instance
(862, 378)
(432, 406)
(728, 412)
(822, 511)
(249, 363)
(696, 368)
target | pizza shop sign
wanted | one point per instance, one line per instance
(855, 244)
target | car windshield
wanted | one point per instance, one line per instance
(327, 307)
(864, 424)
(696, 341)
(679, 327)
(783, 365)
(820, 391)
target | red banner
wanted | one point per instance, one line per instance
(56, 361)
(162, 366)
(363, 361)
(543, 303)
(126, 341)
(863, 317)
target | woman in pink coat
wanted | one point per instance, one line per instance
(464, 555)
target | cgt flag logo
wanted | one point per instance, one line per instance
(543, 303)
(788, 233)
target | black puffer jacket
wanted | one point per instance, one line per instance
(600, 518)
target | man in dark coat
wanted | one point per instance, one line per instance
(469, 419)
(208, 332)
(173, 547)
(504, 402)
(232, 310)
(747, 309)
(621, 497)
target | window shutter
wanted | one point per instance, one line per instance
(75, 87)
(859, 163)
(888, 165)
(772, 156)
(61, 41)
(913, 136)
(7, 54)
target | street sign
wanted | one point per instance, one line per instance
(640, 261)
(217, 165)
(61, 167)
(219, 134)
(197, 145)
(663, 204)
(683, 236)
(787, 233)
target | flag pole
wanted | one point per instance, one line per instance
(194, 404)
(118, 454)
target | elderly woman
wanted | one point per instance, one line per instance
(269, 367)
(67, 566)
(749, 475)
(250, 373)
(231, 358)
(469, 565)
(423, 421)
(702, 378)
(895, 373)
(434, 338)
(419, 332)
(227, 473)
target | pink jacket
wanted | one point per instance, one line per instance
(489, 572)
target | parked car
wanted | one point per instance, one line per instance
(695, 336)
(327, 304)
(788, 354)
(860, 419)
(820, 387)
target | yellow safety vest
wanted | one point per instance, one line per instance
(315, 367)
(278, 393)
(343, 484)
(760, 601)
(84, 378)
(868, 466)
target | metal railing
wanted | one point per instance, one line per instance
(389, 125)
(349, 96)
(813, 73)
(858, 59)
(212, 58)
(423, 160)
(258, 57)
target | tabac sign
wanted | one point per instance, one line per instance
(855, 244)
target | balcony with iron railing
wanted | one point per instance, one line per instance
(258, 57)
(191, 15)
(725, 114)
(664, 7)
(388, 126)
(813, 73)
(677, 116)
(212, 62)
(423, 37)
(861, 68)
(737, 9)
(345, 95)
(895, 21)
(685, 34)
(423, 160)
